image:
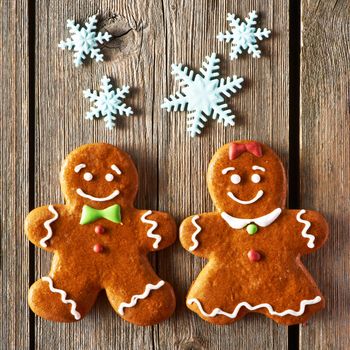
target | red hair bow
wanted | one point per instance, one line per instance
(236, 149)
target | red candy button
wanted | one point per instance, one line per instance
(98, 248)
(99, 229)
(253, 255)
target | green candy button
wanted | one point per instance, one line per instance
(252, 228)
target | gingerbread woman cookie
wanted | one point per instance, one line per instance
(252, 242)
(100, 241)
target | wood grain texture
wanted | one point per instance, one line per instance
(325, 170)
(148, 37)
(14, 183)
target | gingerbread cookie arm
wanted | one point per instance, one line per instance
(158, 230)
(199, 234)
(39, 226)
(311, 230)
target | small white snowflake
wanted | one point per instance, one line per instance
(84, 41)
(201, 94)
(244, 35)
(108, 102)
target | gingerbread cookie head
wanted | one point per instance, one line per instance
(247, 179)
(100, 175)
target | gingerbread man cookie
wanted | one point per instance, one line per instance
(100, 241)
(252, 242)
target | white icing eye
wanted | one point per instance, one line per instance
(255, 178)
(235, 179)
(88, 177)
(109, 177)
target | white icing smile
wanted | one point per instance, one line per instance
(256, 198)
(81, 193)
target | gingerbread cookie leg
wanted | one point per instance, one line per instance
(57, 297)
(300, 314)
(212, 299)
(301, 299)
(146, 300)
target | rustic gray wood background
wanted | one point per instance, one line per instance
(296, 103)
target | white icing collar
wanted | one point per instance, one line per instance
(262, 221)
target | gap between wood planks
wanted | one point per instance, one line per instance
(31, 144)
(294, 140)
(294, 123)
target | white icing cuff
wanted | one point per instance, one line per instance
(218, 311)
(150, 233)
(304, 233)
(47, 224)
(144, 295)
(64, 299)
(198, 229)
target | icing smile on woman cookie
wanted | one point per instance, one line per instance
(236, 179)
(240, 201)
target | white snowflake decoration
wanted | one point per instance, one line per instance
(244, 35)
(201, 94)
(84, 41)
(107, 103)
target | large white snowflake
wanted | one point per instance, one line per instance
(84, 41)
(244, 35)
(201, 94)
(107, 103)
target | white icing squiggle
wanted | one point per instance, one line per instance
(218, 311)
(135, 298)
(63, 294)
(150, 233)
(304, 233)
(47, 224)
(198, 229)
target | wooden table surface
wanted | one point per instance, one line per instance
(295, 98)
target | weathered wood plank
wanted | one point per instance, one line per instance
(325, 172)
(14, 183)
(60, 127)
(262, 111)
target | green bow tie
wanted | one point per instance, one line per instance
(111, 213)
